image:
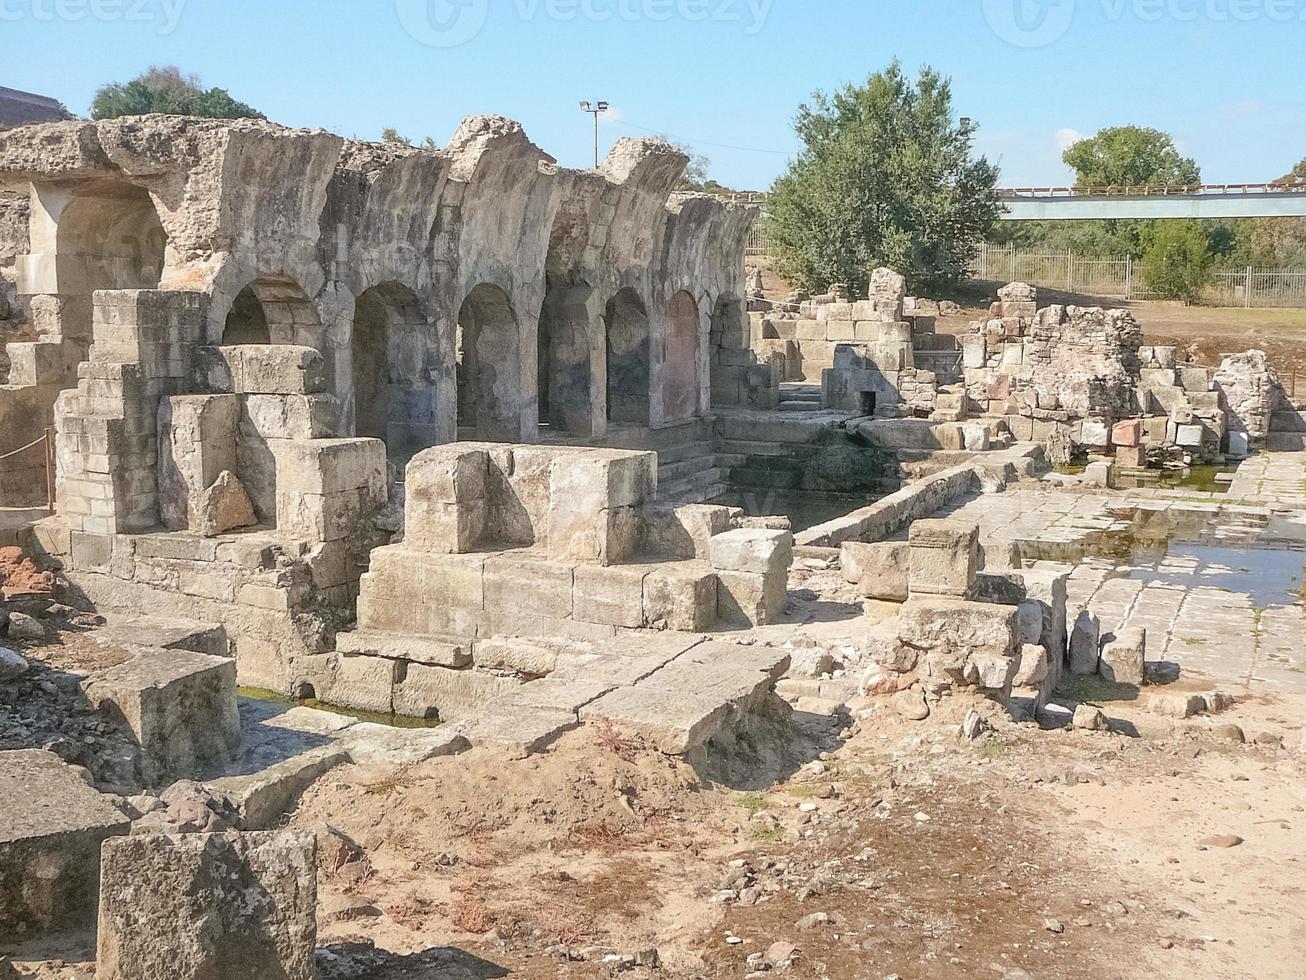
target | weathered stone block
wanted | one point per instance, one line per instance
(531, 586)
(609, 596)
(944, 558)
(249, 902)
(1131, 457)
(1085, 638)
(451, 695)
(750, 598)
(51, 828)
(681, 597)
(880, 570)
(1124, 656)
(445, 475)
(179, 706)
(1127, 433)
(760, 552)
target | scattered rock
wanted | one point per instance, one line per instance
(1089, 719)
(1221, 841)
(26, 628)
(912, 705)
(779, 953)
(975, 725)
(223, 507)
(1229, 733)
(1054, 926)
(12, 666)
(814, 921)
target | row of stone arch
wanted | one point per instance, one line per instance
(594, 354)
(592, 372)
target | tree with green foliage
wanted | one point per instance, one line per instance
(1177, 260)
(1297, 175)
(1130, 156)
(886, 177)
(391, 135)
(167, 90)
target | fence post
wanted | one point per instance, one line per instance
(1070, 271)
(1247, 290)
(1129, 277)
(49, 467)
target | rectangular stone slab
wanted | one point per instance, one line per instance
(51, 827)
(200, 906)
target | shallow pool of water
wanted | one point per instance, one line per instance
(372, 717)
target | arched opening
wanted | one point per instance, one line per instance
(488, 367)
(727, 337)
(273, 310)
(628, 359)
(680, 368)
(394, 370)
(108, 237)
(565, 375)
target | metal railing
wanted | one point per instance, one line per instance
(1142, 190)
(1119, 278)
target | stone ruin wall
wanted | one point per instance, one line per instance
(239, 322)
(1061, 375)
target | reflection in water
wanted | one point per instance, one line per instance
(373, 717)
(804, 508)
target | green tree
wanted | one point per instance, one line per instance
(167, 90)
(391, 135)
(1130, 155)
(886, 177)
(1297, 175)
(1177, 260)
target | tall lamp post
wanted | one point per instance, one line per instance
(595, 109)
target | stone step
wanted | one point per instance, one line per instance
(689, 450)
(1286, 442)
(800, 406)
(677, 471)
(739, 447)
(431, 650)
(703, 485)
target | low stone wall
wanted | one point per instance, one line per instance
(926, 497)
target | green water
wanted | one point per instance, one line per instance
(1202, 479)
(372, 717)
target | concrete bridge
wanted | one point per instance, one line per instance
(1192, 201)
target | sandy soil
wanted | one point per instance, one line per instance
(1032, 853)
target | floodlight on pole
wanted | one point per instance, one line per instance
(595, 109)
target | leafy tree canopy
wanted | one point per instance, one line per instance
(1296, 175)
(886, 177)
(391, 135)
(168, 91)
(1177, 263)
(1130, 155)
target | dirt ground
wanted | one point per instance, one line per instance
(902, 851)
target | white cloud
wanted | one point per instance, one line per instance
(613, 114)
(1066, 138)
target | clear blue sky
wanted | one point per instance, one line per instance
(1226, 77)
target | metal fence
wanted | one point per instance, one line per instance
(1119, 278)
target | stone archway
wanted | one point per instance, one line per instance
(108, 236)
(489, 367)
(273, 310)
(627, 325)
(393, 353)
(680, 367)
(566, 370)
(727, 337)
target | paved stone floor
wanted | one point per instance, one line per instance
(1215, 578)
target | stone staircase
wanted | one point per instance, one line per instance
(689, 468)
(800, 397)
(1287, 430)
